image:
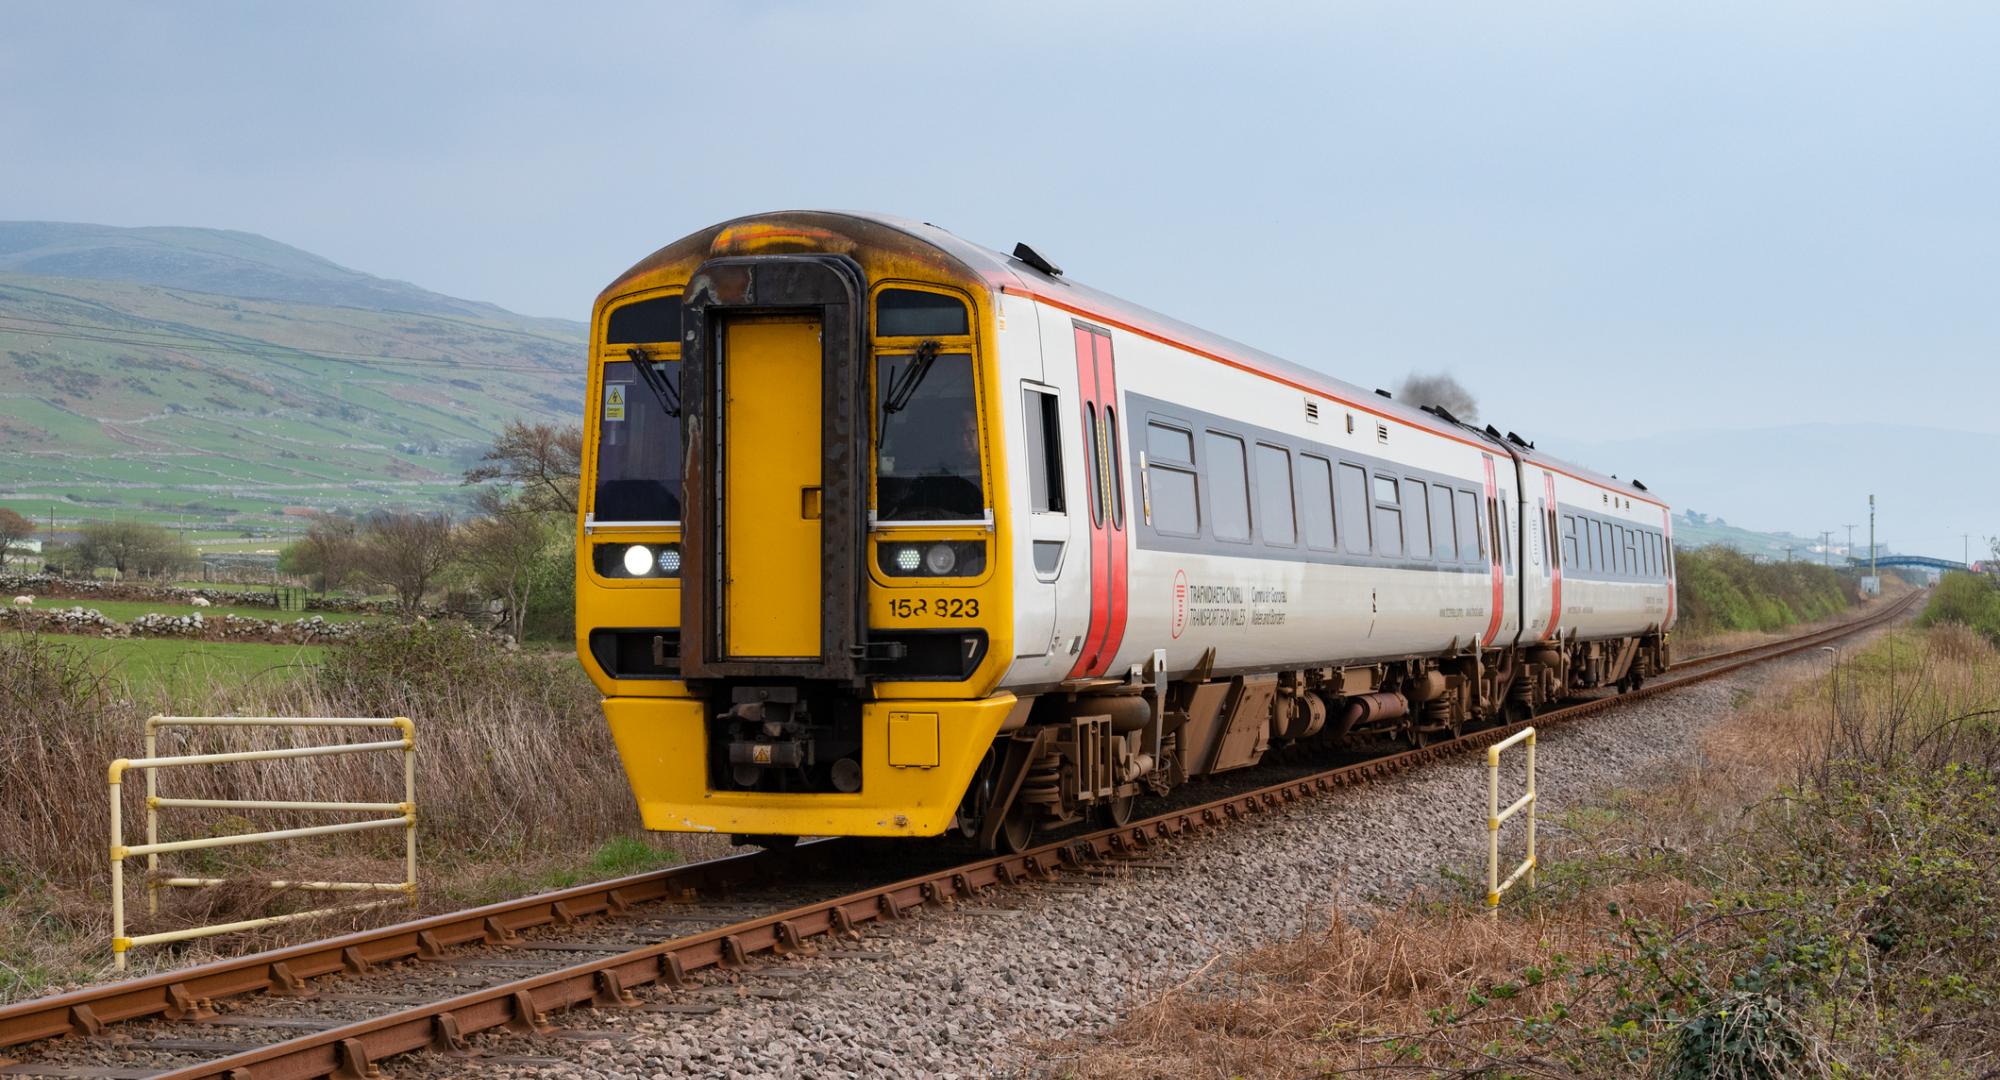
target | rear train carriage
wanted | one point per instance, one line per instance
(884, 533)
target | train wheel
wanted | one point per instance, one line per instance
(1017, 831)
(1116, 813)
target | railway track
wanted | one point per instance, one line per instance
(340, 1006)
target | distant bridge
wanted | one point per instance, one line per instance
(1910, 562)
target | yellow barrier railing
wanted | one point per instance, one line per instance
(1495, 817)
(405, 818)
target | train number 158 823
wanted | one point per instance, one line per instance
(950, 607)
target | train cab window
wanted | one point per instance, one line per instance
(927, 439)
(1041, 422)
(645, 322)
(1444, 532)
(1274, 495)
(1417, 517)
(1228, 486)
(1316, 502)
(1353, 514)
(638, 449)
(1468, 527)
(910, 313)
(1170, 483)
(1388, 517)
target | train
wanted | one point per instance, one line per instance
(884, 533)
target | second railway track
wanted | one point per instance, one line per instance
(340, 1006)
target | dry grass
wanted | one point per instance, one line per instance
(518, 788)
(1649, 942)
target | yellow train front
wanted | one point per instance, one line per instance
(790, 582)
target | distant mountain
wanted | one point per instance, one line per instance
(220, 261)
(1931, 484)
(222, 376)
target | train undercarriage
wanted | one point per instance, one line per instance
(1092, 749)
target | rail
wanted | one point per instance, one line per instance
(1496, 817)
(405, 817)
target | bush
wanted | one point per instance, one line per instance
(1968, 600)
(1722, 589)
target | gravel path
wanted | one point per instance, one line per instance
(956, 994)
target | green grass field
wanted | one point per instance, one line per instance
(190, 670)
(127, 610)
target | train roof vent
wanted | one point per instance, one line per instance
(1312, 411)
(1035, 259)
(1381, 433)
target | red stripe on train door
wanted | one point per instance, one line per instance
(1669, 557)
(1493, 553)
(1097, 389)
(1555, 560)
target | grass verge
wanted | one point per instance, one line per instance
(1815, 893)
(519, 787)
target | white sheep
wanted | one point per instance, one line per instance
(24, 601)
(201, 601)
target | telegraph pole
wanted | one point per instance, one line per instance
(1871, 541)
(1826, 547)
(1850, 543)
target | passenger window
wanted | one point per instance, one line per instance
(1468, 527)
(1388, 517)
(1228, 487)
(1165, 443)
(1041, 422)
(648, 321)
(1170, 480)
(1443, 532)
(1316, 502)
(1274, 495)
(1417, 517)
(909, 313)
(1569, 542)
(1355, 538)
(1632, 553)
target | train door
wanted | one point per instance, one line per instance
(1038, 601)
(771, 417)
(1097, 385)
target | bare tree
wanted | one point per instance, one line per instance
(543, 460)
(406, 553)
(13, 529)
(1440, 389)
(501, 551)
(132, 547)
(330, 551)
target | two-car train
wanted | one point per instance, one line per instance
(884, 533)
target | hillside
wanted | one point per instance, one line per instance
(222, 377)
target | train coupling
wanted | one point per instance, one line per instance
(768, 729)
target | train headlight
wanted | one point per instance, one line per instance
(932, 558)
(639, 560)
(670, 560)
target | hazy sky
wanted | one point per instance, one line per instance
(1612, 219)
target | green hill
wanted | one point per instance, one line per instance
(222, 377)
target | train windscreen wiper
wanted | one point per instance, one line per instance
(905, 387)
(658, 383)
